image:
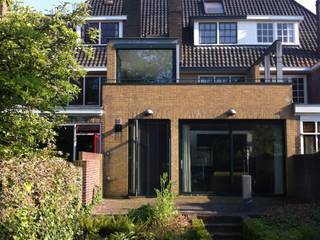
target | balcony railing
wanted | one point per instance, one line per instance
(196, 81)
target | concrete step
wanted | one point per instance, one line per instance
(227, 236)
(221, 219)
(224, 227)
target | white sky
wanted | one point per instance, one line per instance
(310, 4)
(47, 4)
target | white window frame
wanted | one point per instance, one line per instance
(293, 29)
(197, 33)
(219, 6)
(290, 77)
(273, 32)
(220, 76)
(74, 125)
(120, 35)
(316, 134)
(84, 92)
(247, 30)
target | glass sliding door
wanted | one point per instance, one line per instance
(216, 154)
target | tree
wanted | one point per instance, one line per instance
(37, 61)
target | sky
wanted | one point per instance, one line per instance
(47, 4)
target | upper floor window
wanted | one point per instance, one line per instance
(213, 7)
(286, 32)
(299, 91)
(146, 66)
(228, 33)
(90, 91)
(208, 33)
(265, 32)
(106, 30)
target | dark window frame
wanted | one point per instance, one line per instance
(174, 65)
(83, 84)
(100, 40)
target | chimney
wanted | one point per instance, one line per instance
(3, 7)
(175, 19)
(318, 23)
(132, 26)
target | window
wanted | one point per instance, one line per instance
(107, 31)
(221, 79)
(310, 137)
(298, 87)
(90, 94)
(208, 33)
(213, 7)
(286, 32)
(228, 33)
(265, 32)
(73, 138)
(146, 65)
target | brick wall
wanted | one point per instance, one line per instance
(305, 177)
(92, 175)
(176, 102)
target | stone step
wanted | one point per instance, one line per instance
(224, 227)
(227, 236)
(221, 219)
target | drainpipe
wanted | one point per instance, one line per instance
(279, 61)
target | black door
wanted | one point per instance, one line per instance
(148, 155)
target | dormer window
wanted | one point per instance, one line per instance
(107, 31)
(213, 7)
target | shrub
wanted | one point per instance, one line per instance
(99, 227)
(165, 204)
(144, 214)
(40, 198)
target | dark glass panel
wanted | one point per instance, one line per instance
(86, 35)
(78, 100)
(152, 66)
(109, 31)
(309, 127)
(309, 144)
(92, 91)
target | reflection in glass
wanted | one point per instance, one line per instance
(152, 66)
(215, 156)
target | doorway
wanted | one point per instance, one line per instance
(216, 154)
(149, 155)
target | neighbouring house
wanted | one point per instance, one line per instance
(206, 90)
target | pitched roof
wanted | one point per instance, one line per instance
(154, 18)
(98, 59)
(308, 40)
(100, 8)
(241, 56)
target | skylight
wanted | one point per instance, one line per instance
(213, 7)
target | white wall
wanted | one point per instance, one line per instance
(247, 31)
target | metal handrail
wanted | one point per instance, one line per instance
(196, 81)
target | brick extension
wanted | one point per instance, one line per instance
(92, 165)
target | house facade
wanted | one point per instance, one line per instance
(205, 90)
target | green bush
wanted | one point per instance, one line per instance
(165, 204)
(144, 214)
(40, 198)
(262, 229)
(100, 227)
(197, 231)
